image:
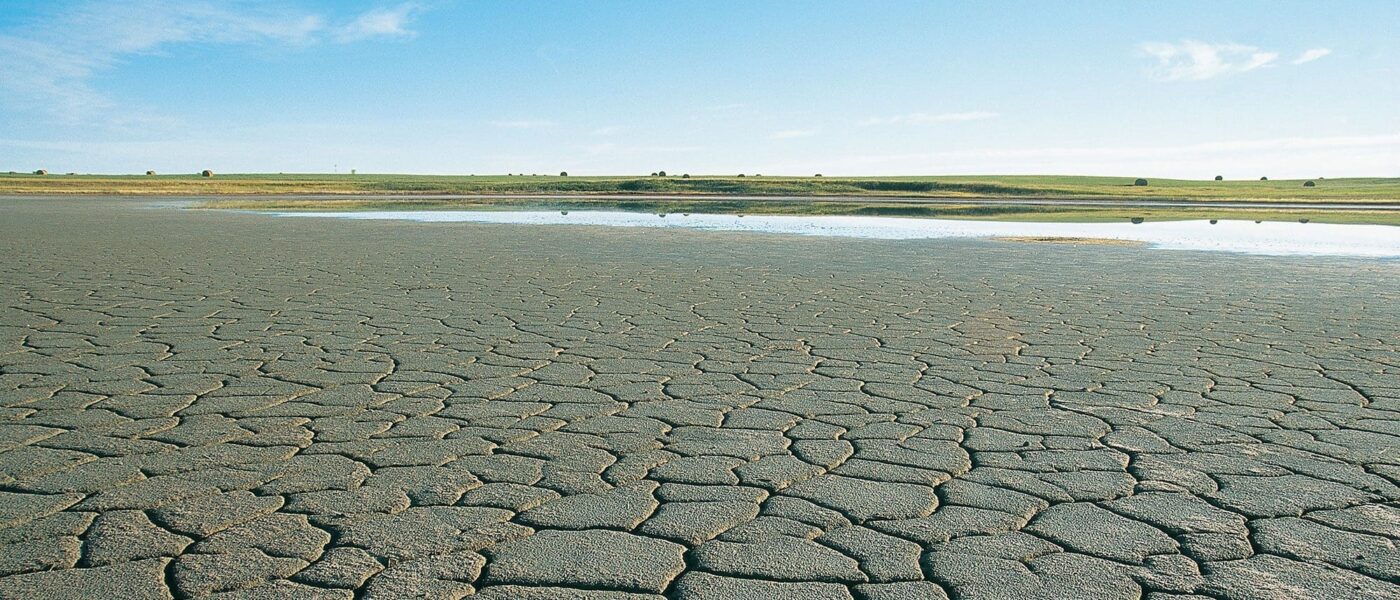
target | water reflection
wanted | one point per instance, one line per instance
(1274, 238)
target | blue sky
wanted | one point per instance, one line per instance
(1178, 89)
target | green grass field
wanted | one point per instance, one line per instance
(1379, 190)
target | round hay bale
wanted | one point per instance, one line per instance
(1137, 220)
(563, 212)
(41, 172)
(818, 175)
(1309, 183)
(1220, 178)
(563, 173)
(685, 175)
(1263, 179)
(1213, 221)
(150, 172)
(206, 173)
(1140, 182)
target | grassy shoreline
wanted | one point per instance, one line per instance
(1351, 190)
(999, 212)
(928, 197)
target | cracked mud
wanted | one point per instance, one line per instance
(217, 404)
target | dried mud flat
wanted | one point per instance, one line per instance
(201, 403)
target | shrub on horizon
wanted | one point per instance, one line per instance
(1309, 183)
(1140, 182)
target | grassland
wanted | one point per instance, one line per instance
(1352, 190)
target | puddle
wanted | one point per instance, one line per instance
(1269, 237)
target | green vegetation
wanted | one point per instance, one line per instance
(1381, 190)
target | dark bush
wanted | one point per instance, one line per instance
(896, 186)
(1309, 183)
(1140, 182)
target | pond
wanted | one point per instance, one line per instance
(1268, 237)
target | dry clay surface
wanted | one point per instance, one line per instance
(237, 406)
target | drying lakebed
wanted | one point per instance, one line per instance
(205, 402)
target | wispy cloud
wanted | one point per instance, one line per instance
(1193, 60)
(615, 149)
(379, 23)
(788, 134)
(1311, 55)
(524, 124)
(49, 64)
(928, 118)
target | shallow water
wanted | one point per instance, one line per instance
(1269, 237)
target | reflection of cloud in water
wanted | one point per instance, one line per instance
(1277, 238)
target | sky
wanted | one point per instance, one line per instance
(1170, 89)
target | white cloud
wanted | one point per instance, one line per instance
(927, 118)
(788, 134)
(524, 124)
(380, 22)
(1311, 55)
(1193, 60)
(47, 65)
